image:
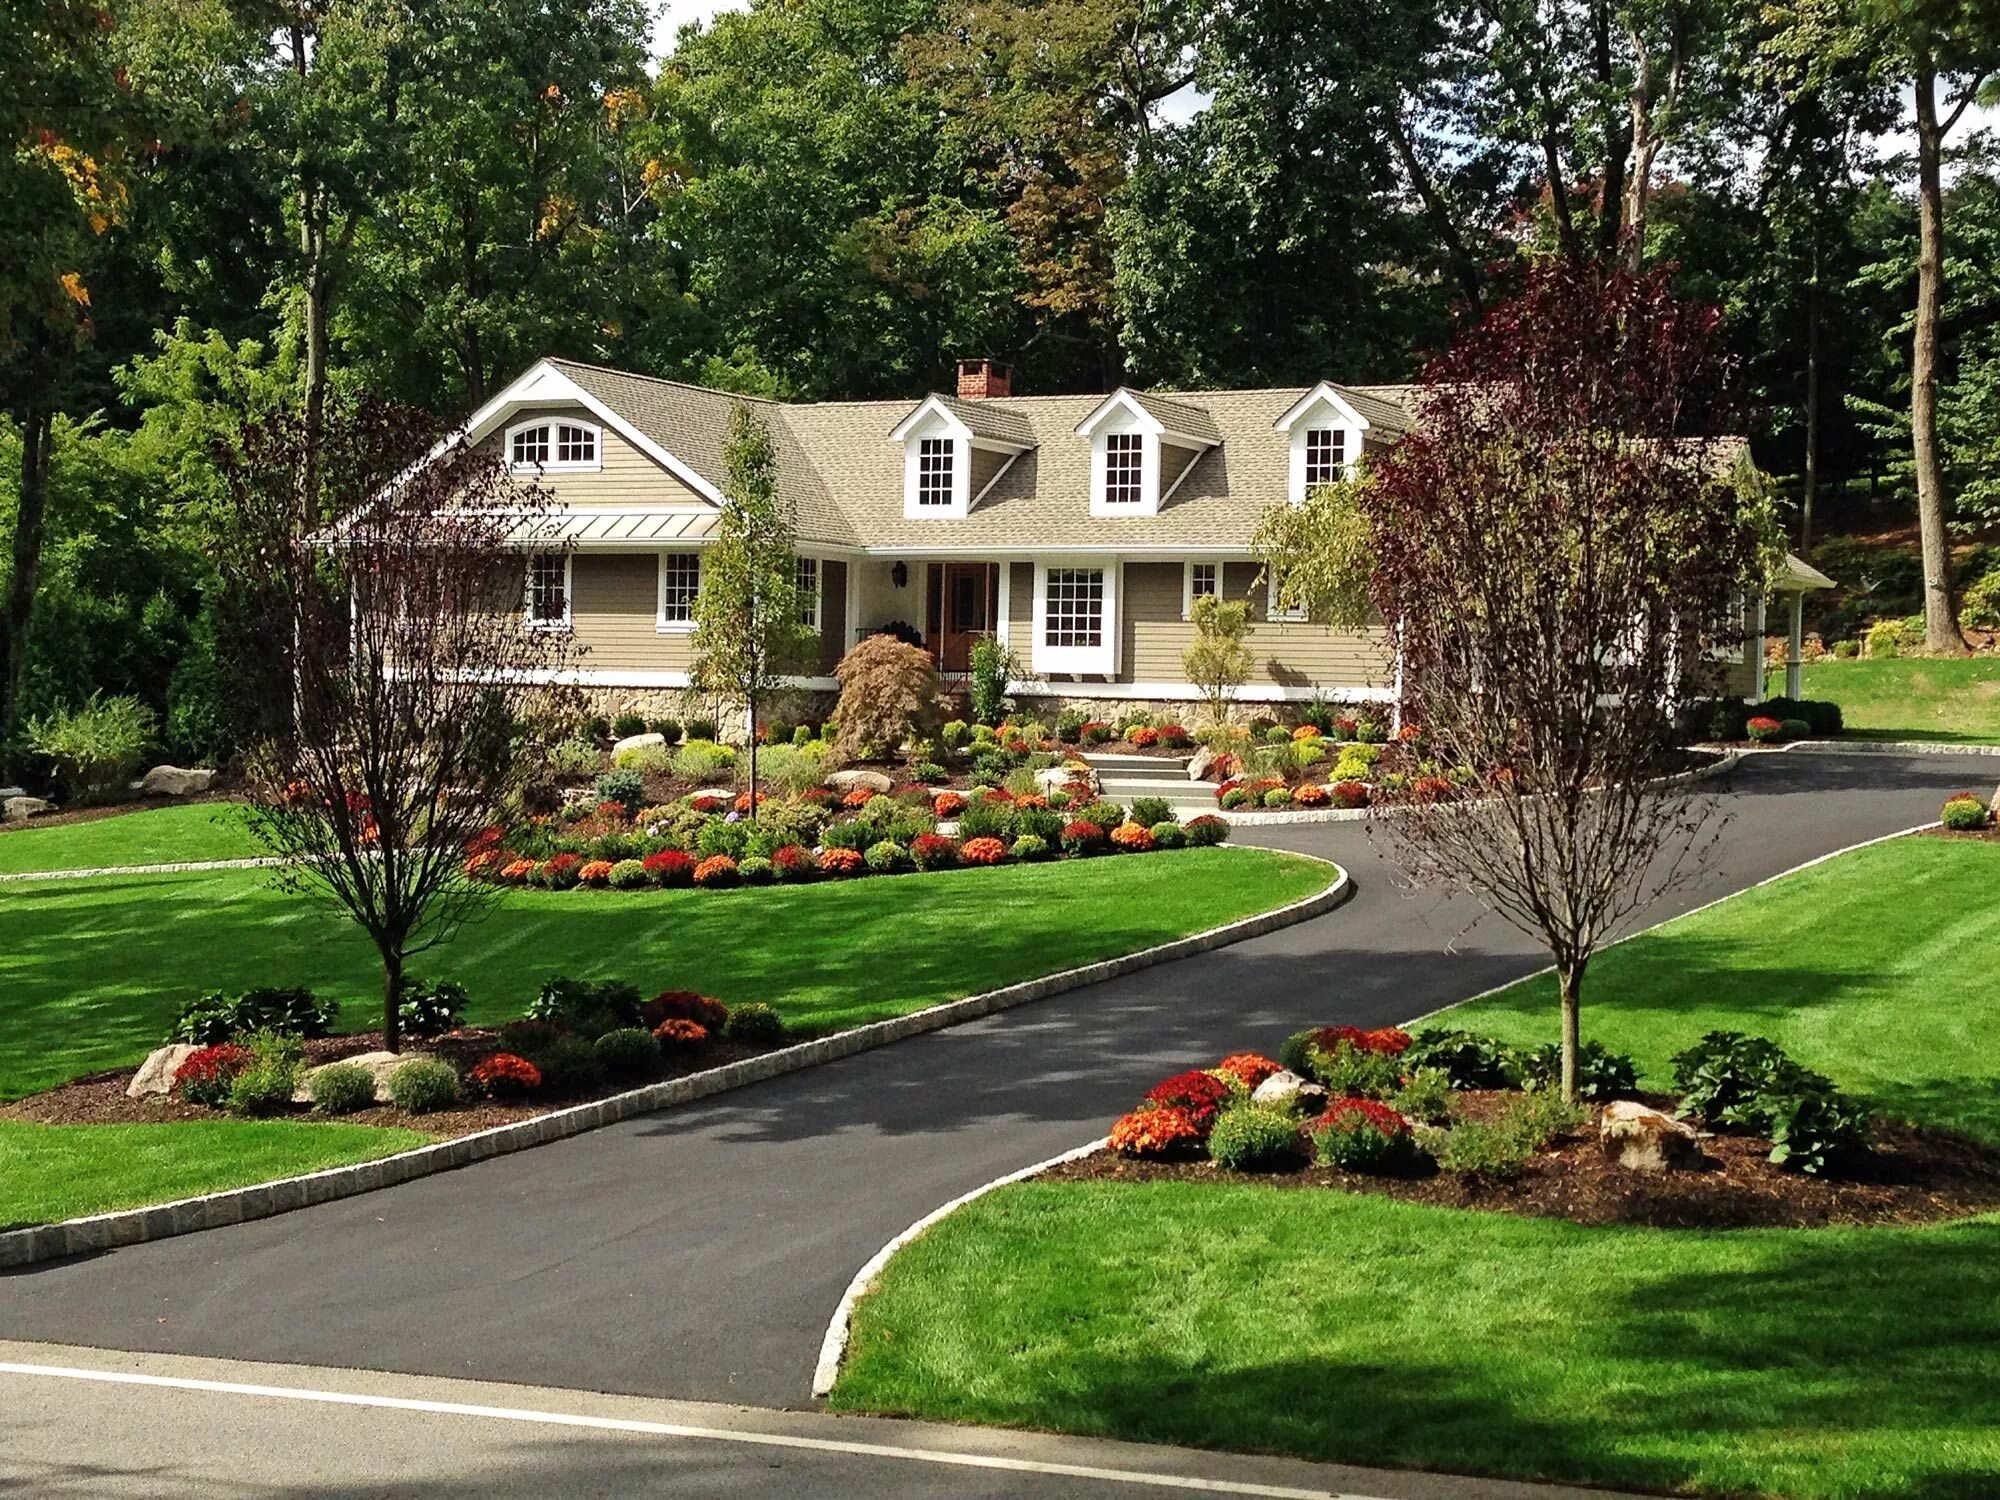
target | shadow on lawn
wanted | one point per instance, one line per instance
(1842, 1363)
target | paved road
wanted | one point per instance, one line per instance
(305, 1434)
(698, 1253)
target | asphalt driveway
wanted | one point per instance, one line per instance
(698, 1253)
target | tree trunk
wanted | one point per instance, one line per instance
(1812, 405)
(37, 437)
(392, 998)
(318, 294)
(750, 713)
(1572, 1028)
(1941, 633)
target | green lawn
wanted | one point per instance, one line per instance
(50, 1172)
(94, 969)
(1812, 1364)
(181, 834)
(1876, 968)
(1910, 698)
(1820, 1364)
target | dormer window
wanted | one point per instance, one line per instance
(1325, 449)
(548, 445)
(1124, 468)
(1325, 433)
(936, 463)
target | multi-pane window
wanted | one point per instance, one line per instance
(1277, 606)
(1073, 613)
(808, 586)
(1203, 579)
(530, 447)
(934, 471)
(1124, 468)
(680, 583)
(548, 589)
(1324, 451)
(575, 445)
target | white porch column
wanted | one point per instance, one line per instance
(1795, 647)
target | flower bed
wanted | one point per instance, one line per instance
(1452, 1118)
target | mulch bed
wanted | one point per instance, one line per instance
(99, 1099)
(96, 811)
(1913, 1176)
(1989, 835)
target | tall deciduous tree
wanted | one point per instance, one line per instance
(1564, 559)
(748, 636)
(403, 754)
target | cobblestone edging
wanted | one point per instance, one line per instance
(1889, 747)
(179, 868)
(107, 1231)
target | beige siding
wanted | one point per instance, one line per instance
(1742, 679)
(985, 464)
(627, 478)
(1021, 608)
(1303, 656)
(1174, 462)
(614, 604)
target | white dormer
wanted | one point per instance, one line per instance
(1326, 437)
(1141, 448)
(947, 465)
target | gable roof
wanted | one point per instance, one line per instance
(842, 472)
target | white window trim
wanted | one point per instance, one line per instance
(1187, 582)
(1321, 407)
(1088, 661)
(937, 426)
(1272, 613)
(661, 623)
(569, 594)
(818, 589)
(554, 464)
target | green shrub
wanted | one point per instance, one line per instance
(1361, 1135)
(1151, 810)
(1044, 823)
(574, 758)
(1029, 847)
(267, 1082)
(1106, 815)
(754, 1024)
(646, 760)
(700, 758)
(1169, 835)
(1425, 1095)
(341, 1088)
(1482, 1148)
(1467, 1059)
(423, 1086)
(629, 1052)
(1796, 729)
(1254, 1138)
(1277, 734)
(928, 771)
(568, 1064)
(720, 836)
(1822, 718)
(430, 1010)
(1347, 1070)
(97, 747)
(1600, 1074)
(626, 725)
(886, 856)
(1744, 1082)
(627, 788)
(591, 1007)
(1846, 650)
(1069, 726)
(752, 869)
(701, 729)
(216, 1017)
(984, 819)
(629, 875)
(1206, 831)
(1277, 796)
(597, 727)
(667, 729)
(1965, 813)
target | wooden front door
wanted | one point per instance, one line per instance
(964, 605)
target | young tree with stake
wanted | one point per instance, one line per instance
(408, 637)
(748, 635)
(1566, 559)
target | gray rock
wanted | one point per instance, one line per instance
(173, 781)
(847, 781)
(381, 1064)
(1197, 768)
(9, 793)
(20, 809)
(1057, 778)
(1640, 1139)
(637, 742)
(1289, 1091)
(156, 1073)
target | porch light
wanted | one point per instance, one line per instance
(900, 575)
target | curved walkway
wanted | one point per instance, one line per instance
(698, 1253)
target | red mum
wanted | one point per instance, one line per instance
(1157, 1132)
(505, 1075)
(1249, 1068)
(1201, 1094)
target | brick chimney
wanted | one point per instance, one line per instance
(981, 378)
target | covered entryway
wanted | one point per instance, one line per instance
(964, 604)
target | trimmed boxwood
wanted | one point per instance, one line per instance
(341, 1088)
(627, 1053)
(1254, 1138)
(423, 1085)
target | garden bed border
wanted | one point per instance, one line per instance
(108, 1231)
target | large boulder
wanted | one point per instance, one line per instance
(637, 742)
(173, 781)
(1199, 763)
(156, 1073)
(849, 780)
(20, 809)
(1641, 1139)
(380, 1064)
(1287, 1090)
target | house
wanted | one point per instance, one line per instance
(1078, 529)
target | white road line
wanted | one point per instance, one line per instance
(1136, 1477)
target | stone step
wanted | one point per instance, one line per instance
(1137, 764)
